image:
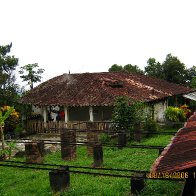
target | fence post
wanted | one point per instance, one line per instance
(34, 152)
(137, 183)
(122, 139)
(190, 183)
(68, 144)
(98, 155)
(160, 150)
(92, 137)
(59, 179)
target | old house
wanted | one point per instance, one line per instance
(91, 96)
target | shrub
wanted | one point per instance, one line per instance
(186, 110)
(12, 121)
(150, 126)
(175, 114)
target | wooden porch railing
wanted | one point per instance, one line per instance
(55, 127)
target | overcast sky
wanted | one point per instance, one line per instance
(91, 35)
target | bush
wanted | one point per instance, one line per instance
(186, 110)
(12, 121)
(175, 114)
(150, 126)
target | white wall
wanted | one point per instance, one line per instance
(159, 111)
(36, 109)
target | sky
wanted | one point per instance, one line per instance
(91, 35)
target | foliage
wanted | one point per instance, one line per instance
(127, 114)
(115, 67)
(8, 86)
(129, 68)
(132, 69)
(12, 118)
(139, 112)
(153, 68)
(175, 114)
(193, 82)
(31, 74)
(191, 76)
(3, 118)
(19, 129)
(122, 114)
(186, 110)
(7, 151)
(172, 70)
(150, 126)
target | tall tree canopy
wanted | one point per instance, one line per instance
(8, 88)
(129, 68)
(172, 70)
(115, 67)
(153, 68)
(32, 73)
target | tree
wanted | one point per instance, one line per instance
(191, 76)
(8, 88)
(172, 69)
(153, 68)
(115, 67)
(129, 68)
(2, 123)
(132, 69)
(122, 114)
(32, 75)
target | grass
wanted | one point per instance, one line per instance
(26, 182)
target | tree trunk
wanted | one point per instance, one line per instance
(2, 137)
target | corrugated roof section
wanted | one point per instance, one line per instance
(191, 96)
(180, 154)
(100, 89)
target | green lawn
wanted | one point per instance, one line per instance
(14, 181)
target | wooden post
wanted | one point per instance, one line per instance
(190, 183)
(34, 152)
(122, 140)
(98, 155)
(137, 183)
(160, 151)
(68, 144)
(92, 138)
(59, 179)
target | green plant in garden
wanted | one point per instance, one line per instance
(128, 114)
(150, 126)
(175, 114)
(12, 120)
(10, 146)
(3, 118)
(122, 114)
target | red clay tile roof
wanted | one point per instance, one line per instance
(100, 89)
(180, 154)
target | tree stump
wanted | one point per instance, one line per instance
(34, 152)
(59, 179)
(137, 183)
(92, 138)
(98, 155)
(68, 144)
